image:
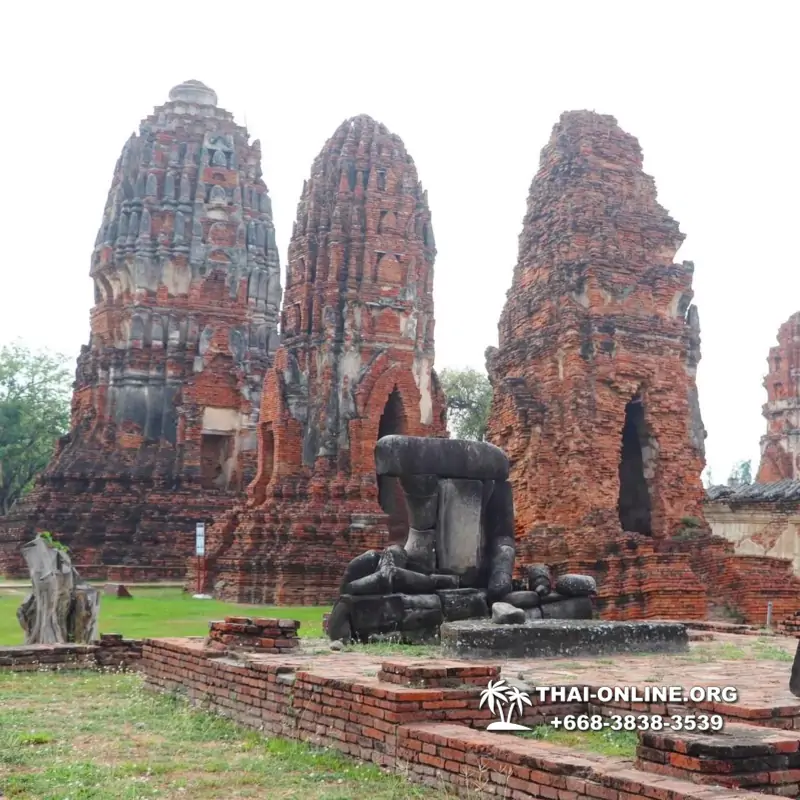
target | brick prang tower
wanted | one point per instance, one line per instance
(167, 393)
(780, 447)
(595, 400)
(355, 364)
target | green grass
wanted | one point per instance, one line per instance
(606, 742)
(154, 612)
(101, 736)
(748, 649)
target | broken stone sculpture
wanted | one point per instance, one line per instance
(459, 553)
(568, 597)
(61, 608)
(458, 558)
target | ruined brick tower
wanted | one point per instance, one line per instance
(355, 364)
(595, 400)
(780, 447)
(167, 393)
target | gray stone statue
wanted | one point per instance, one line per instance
(458, 558)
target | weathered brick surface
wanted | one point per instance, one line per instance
(595, 399)
(430, 733)
(435, 674)
(187, 292)
(780, 447)
(746, 756)
(355, 363)
(260, 634)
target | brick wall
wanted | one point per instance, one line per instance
(424, 721)
(111, 651)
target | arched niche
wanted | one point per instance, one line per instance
(635, 471)
(391, 498)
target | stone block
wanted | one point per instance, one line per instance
(463, 603)
(459, 530)
(570, 608)
(523, 599)
(483, 639)
(505, 614)
(576, 585)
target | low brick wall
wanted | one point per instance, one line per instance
(261, 634)
(23, 658)
(111, 651)
(745, 757)
(429, 732)
(790, 626)
(122, 573)
(115, 652)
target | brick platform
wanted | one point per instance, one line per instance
(422, 716)
(259, 634)
(741, 756)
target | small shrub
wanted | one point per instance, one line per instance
(54, 543)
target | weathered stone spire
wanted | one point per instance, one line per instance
(187, 295)
(356, 363)
(780, 447)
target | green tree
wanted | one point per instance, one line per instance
(469, 398)
(34, 412)
(741, 474)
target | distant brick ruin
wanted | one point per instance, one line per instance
(763, 518)
(187, 296)
(595, 400)
(355, 364)
(780, 447)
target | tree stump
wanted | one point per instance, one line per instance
(61, 608)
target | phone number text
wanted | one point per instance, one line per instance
(640, 722)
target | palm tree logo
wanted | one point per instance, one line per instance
(498, 694)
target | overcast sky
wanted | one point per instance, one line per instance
(709, 89)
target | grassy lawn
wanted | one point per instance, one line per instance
(606, 742)
(93, 736)
(154, 612)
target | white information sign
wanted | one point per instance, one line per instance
(200, 539)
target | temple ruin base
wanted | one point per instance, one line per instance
(423, 717)
(560, 637)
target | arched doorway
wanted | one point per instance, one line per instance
(390, 492)
(634, 493)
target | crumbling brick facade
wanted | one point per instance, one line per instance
(167, 393)
(780, 447)
(595, 400)
(355, 364)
